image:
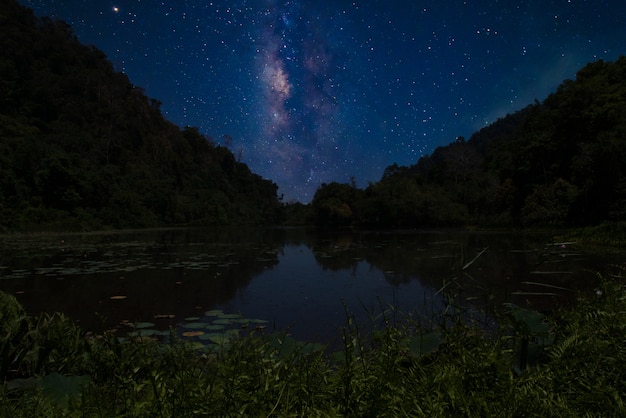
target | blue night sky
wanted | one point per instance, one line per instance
(320, 91)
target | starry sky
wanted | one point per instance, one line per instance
(313, 91)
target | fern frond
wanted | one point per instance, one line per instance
(559, 350)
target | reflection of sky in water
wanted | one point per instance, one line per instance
(302, 296)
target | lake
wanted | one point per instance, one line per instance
(290, 280)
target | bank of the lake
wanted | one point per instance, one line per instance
(606, 236)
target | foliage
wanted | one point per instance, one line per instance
(333, 205)
(571, 363)
(83, 148)
(549, 204)
(605, 236)
(34, 351)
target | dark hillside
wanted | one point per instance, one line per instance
(568, 157)
(80, 145)
(555, 163)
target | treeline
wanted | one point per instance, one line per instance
(561, 162)
(82, 147)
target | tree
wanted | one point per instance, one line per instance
(333, 205)
(549, 205)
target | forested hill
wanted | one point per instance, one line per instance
(559, 162)
(81, 146)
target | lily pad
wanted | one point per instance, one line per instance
(530, 321)
(251, 321)
(195, 325)
(219, 339)
(229, 316)
(212, 336)
(215, 312)
(118, 297)
(192, 318)
(60, 388)
(144, 333)
(142, 325)
(223, 321)
(193, 333)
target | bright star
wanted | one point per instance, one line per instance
(116, 9)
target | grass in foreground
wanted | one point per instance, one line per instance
(572, 364)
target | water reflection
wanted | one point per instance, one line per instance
(309, 295)
(296, 279)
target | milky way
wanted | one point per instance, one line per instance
(308, 91)
(299, 113)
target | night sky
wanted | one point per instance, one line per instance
(315, 91)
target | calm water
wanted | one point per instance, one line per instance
(296, 280)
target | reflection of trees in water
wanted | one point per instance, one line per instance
(502, 271)
(401, 258)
